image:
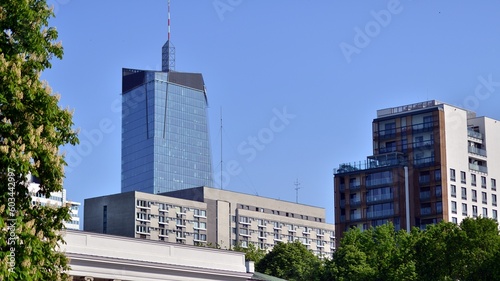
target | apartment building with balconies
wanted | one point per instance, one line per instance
(431, 161)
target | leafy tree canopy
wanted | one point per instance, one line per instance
(32, 128)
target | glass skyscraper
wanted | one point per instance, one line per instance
(165, 138)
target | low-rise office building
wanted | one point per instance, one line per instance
(209, 216)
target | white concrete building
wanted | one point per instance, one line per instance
(101, 257)
(57, 199)
(204, 216)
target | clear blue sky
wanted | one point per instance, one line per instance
(329, 64)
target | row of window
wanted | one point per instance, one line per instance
(279, 225)
(275, 212)
(484, 195)
(474, 210)
(166, 207)
(473, 179)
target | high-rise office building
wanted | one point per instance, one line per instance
(431, 162)
(165, 138)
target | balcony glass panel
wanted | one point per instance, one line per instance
(474, 134)
(476, 167)
(477, 151)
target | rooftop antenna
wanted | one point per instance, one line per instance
(297, 183)
(168, 50)
(221, 147)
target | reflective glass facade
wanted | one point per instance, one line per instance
(165, 139)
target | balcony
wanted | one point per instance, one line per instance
(372, 162)
(425, 195)
(377, 214)
(424, 179)
(423, 144)
(377, 198)
(354, 186)
(355, 202)
(356, 216)
(481, 169)
(423, 127)
(477, 151)
(422, 162)
(474, 134)
(425, 211)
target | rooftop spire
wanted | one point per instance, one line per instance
(168, 50)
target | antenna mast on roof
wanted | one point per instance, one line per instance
(168, 50)
(297, 183)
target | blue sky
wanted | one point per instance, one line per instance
(299, 82)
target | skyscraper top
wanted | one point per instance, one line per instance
(168, 50)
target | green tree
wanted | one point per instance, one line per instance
(379, 253)
(32, 128)
(447, 251)
(252, 253)
(291, 261)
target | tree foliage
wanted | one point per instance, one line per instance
(252, 253)
(291, 261)
(32, 128)
(445, 251)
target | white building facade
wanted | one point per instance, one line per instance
(56, 199)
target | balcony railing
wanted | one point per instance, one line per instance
(474, 134)
(421, 144)
(355, 201)
(356, 216)
(423, 127)
(356, 186)
(376, 214)
(475, 167)
(381, 197)
(425, 194)
(425, 211)
(477, 151)
(423, 161)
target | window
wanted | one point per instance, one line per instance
(473, 179)
(454, 220)
(474, 196)
(453, 190)
(485, 198)
(464, 193)
(483, 182)
(439, 206)
(463, 177)
(452, 174)
(464, 209)
(200, 213)
(453, 207)
(493, 184)
(494, 214)
(474, 211)
(485, 212)
(244, 219)
(200, 225)
(494, 199)
(437, 175)
(438, 191)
